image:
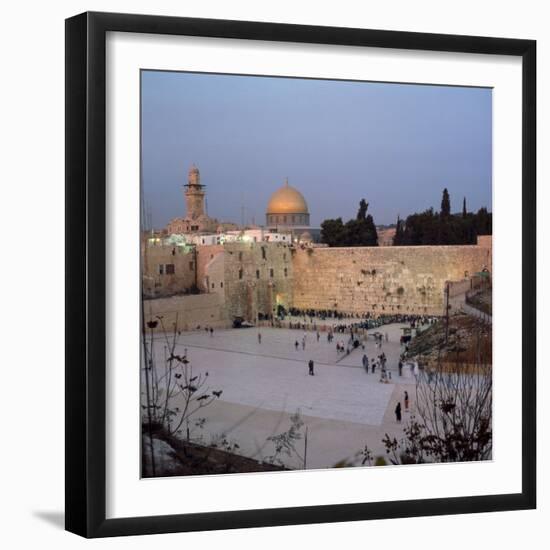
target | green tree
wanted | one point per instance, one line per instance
(372, 239)
(483, 222)
(332, 232)
(363, 207)
(445, 204)
(360, 231)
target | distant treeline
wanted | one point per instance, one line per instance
(425, 228)
(443, 228)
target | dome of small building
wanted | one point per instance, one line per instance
(287, 200)
(306, 237)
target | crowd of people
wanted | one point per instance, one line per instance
(378, 320)
(306, 319)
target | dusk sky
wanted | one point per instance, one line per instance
(395, 145)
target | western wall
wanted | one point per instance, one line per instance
(383, 280)
(249, 280)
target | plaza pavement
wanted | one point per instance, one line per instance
(264, 383)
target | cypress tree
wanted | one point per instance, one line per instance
(372, 234)
(464, 211)
(363, 207)
(445, 204)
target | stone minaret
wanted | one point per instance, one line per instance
(194, 194)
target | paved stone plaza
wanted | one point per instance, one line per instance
(264, 383)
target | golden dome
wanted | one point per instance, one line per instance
(287, 200)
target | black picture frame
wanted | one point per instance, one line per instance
(86, 284)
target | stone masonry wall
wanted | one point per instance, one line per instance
(257, 277)
(486, 241)
(190, 311)
(158, 281)
(205, 255)
(382, 280)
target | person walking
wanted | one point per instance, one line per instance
(259, 337)
(310, 365)
(318, 336)
(296, 345)
(400, 367)
(366, 362)
(398, 412)
(406, 400)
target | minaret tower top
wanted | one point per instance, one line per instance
(194, 194)
(194, 177)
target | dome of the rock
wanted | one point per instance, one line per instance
(288, 207)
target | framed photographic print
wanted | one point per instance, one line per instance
(294, 255)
